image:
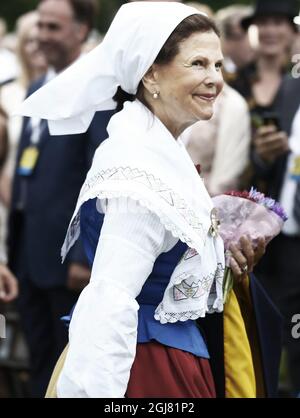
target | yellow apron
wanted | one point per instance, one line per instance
(242, 359)
(51, 390)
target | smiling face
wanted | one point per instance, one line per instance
(275, 34)
(34, 58)
(189, 85)
(60, 34)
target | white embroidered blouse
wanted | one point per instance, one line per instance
(102, 351)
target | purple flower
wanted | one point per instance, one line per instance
(267, 202)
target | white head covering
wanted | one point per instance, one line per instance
(133, 41)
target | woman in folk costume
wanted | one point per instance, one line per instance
(143, 213)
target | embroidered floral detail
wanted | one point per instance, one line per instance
(190, 253)
(194, 297)
(205, 290)
(185, 291)
(125, 174)
(152, 183)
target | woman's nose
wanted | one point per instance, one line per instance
(214, 77)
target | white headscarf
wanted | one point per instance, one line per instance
(133, 41)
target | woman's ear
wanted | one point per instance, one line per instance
(150, 80)
(82, 32)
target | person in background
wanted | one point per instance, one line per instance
(9, 68)
(48, 176)
(236, 45)
(8, 282)
(33, 65)
(259, 82)
(3, 137)
(143, 206)
(8, 285)
(221, 145)
(3, 156)
(280, 269)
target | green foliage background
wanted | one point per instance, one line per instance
(10, 10)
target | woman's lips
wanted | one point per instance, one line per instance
(206, 97)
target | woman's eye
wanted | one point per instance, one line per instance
(198, 63)
(219, 66)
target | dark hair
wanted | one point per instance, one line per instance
(85, 11)
(190, 25)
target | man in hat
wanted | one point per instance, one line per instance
(280, 268)
(259, 82)
(271, 8)
(279, 271)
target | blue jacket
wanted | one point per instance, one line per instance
(37, 231)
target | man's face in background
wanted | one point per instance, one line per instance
(60, 34)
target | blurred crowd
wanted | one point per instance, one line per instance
(253, 139)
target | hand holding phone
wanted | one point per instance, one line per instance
(266, 118)
(271, 119)
(270, 143)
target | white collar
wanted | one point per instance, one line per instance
(139, 143)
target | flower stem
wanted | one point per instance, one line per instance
(227, 284)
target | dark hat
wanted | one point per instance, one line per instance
(286, 8)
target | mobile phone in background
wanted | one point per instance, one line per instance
(267, 118)
(271, 118)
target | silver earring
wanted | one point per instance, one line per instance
(155, 95)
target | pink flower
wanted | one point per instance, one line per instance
(246, 213)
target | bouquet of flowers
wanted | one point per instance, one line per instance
(246, 213)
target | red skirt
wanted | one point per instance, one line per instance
(159, 371)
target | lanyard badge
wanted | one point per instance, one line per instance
(295, 168)
(28, 160)
(30, 154)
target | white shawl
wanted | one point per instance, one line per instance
(143, 161)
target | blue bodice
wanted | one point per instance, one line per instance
(182, 335)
